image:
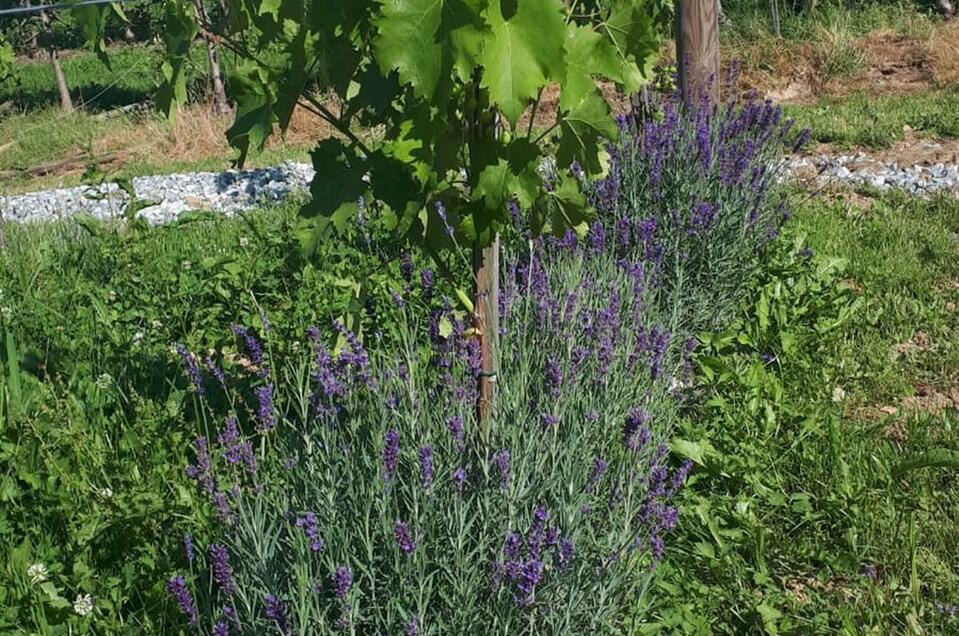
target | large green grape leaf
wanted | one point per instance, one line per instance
(339, 183)
(631, 31)
(588, 55)
(463, 20)
(254, 110)
(561, 209)
(424, 39)
(92, 20)
(585, 126)
(512, 175)
(178, 36)
(409, 41)
(523, 53)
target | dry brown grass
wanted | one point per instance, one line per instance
(197, 133)
(883, 62)
(942, 49)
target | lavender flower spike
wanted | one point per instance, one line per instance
(404, 538)
(391, 454)
(342, 581)
(276, 612)
(181, 594)
(222, 572)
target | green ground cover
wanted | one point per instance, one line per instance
(814, 509)
(867, 121)
(796, 499)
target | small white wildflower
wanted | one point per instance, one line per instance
(838, 394)
(104, 381)
(244, 241)
(112, 296)
(37, 573)
(83, 605)
(104, 493)
(186, 265)
(6, 312)
(156, 324)
(138, 337)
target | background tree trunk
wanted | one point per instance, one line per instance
(216, 77)
(66, 102)
(697, 50)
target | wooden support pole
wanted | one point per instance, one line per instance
(697, 50)
(486, 322)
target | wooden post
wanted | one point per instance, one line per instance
(486, 322)
(697, 50)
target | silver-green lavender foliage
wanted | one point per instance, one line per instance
(363, 496)
(358, 494)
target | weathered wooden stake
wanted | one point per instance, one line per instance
(486, 322)
(697, 50)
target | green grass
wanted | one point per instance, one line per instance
(132, 77)
(92, 397)
(877, 122)
(751, 20)
(797, 493)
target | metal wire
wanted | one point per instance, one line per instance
(59, 5)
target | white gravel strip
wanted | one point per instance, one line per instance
(169, 195)
(234, 190)
(861, 170)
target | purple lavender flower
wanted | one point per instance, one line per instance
(222, 506)
(426, 278)
(595, 473)
(264, 410)
(276, 612)
(564, 556)
(188, 548)
(554, 377)
(215, 371)
(404, 538)
(459, 478)
(455, 426)
(221, 629)
(530, 578)
(413, 626)
(869, 571)
(222, 572)
(184, 599)
(441, 212)
(308, 523)
(391, 454)
(406, 266)
(426, 466)
(192, 368)
(342, 581)
(253, 347)
(802, 139)
(501, 460)
(636, 434)
(550, 421)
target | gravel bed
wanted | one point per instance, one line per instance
(235, 190)
(863, 171)
(169, 195)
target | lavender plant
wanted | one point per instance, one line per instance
(373, 501)
(694, 193)
(357, 493)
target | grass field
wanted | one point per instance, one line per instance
(817, 505)
(825, 500)
(822, 423)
